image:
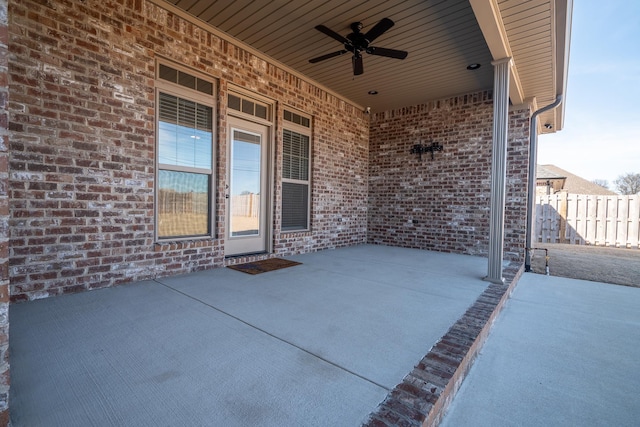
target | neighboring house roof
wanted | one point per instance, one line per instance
(573, 183)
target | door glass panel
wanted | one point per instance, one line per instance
(245, 184)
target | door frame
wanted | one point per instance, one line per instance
(234, 116)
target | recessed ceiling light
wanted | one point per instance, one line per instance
(473, 66)
(373, 92)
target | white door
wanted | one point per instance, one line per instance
(247, 196)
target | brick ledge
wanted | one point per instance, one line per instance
(423, 396)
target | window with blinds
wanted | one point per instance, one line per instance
(296, 161)
(185, 147)
(185, 132)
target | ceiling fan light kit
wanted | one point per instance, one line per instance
(357, 43)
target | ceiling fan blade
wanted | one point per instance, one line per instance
(327, 56)
(332, 34)
(378, 29)
(358, 66)
(390, 53)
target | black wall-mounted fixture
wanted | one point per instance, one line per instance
(419, 149)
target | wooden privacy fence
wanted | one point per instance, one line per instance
(175, 202)
(245, 205)
(588, 220)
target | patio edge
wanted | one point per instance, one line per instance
(423, 396)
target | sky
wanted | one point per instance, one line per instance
(601, 134)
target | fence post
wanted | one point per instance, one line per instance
(591, 220)
(562, 210)
(538, 220)
(633, 227)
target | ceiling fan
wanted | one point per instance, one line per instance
(356, 43)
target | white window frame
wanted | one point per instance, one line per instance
(209, 100)
(307, 132)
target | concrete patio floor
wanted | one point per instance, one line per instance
(563, 352)
(319, 344)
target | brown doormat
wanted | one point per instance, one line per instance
(263, 266)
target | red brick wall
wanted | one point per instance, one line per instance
(443, 204)
(82, 167)
(4, 219)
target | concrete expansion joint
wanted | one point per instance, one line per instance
(289, 343)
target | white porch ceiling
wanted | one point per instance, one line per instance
(441, 36)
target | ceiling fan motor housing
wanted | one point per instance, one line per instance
(358, 42)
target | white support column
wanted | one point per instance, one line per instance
(498, 168)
